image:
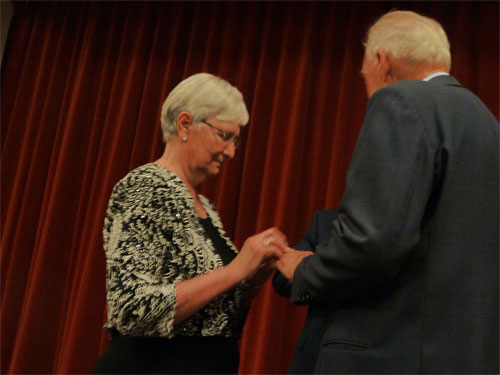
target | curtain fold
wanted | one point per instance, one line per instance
(82, 84)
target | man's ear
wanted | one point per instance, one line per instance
(184, 121)
(385, 66)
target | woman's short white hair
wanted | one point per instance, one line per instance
(203, 95)
(410, 36)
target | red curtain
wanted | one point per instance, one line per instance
(81, 92)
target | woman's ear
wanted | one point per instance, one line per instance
(184, 121)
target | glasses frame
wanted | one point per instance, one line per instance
(225, 136)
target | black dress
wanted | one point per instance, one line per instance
(178, 355)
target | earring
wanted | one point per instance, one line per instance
(185, 138)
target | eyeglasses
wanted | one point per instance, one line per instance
(224, 135)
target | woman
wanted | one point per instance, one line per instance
(177, 289)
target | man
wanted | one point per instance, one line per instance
(409, 276)
(309, 341)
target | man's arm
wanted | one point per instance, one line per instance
(378, 225)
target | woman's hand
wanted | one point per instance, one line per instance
(258, 255)
(263, 273)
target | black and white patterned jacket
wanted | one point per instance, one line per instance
(152, 240)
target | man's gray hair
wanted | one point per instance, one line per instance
(410, 36)
(203, 95)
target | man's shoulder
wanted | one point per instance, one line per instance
(407, 88)
(410, 93)
(412, 87)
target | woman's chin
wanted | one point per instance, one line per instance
(214, 170)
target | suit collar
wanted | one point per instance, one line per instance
(445, 80)
(430, 76)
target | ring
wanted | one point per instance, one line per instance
(268, 242)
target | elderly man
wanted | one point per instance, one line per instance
(408, 279)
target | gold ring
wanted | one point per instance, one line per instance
(268, 242)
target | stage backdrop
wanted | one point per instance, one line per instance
(81, 92)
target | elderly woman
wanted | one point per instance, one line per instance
(177, 289)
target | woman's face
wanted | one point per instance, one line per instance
(212, 143)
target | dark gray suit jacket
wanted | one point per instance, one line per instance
(409, 277)
(309, 341)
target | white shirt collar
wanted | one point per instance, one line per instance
(429, 77)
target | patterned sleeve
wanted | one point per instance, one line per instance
(141, 294)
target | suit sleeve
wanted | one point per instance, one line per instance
(378, 225)
(307, 243)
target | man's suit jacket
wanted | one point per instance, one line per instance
(409, 277)
(309, 341)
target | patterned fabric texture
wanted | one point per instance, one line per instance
(152, 240)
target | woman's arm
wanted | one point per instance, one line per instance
(195, 293)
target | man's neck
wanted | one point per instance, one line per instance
(404, 70)
(422, 72)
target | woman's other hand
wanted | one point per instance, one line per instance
(258, 254)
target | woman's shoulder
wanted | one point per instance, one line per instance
(151, 174)
(144, 183)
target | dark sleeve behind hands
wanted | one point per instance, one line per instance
(307, 243)
(387, 188)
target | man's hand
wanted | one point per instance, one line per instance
(290, 260)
